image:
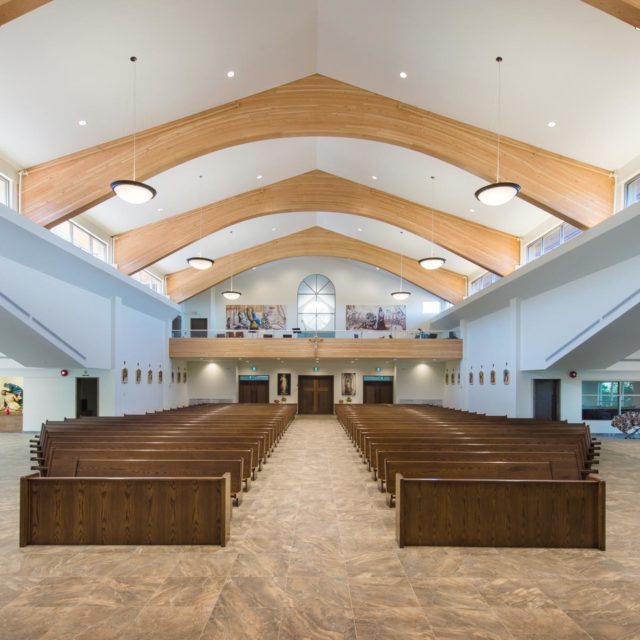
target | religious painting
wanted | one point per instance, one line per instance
(348, 384)
(138, 375)
(492, 376)
(160, 376)
(124, 375)
(481, 376)
(173, 376)
(471, 377)
(446, 377)
(257, 316)
(376, 317)
(284, 384)
(11, 396)
(458, 377)
(184, 377)
(506, 376)
(149, 376)
(179, 376)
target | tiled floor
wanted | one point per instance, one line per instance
(312, 555)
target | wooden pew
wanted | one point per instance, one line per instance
(132, 511)
(500, 513)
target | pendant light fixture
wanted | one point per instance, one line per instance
(198, 262)
(432, 262)
(401, 294)
(498, 193)
(231, 293)
(132, 191)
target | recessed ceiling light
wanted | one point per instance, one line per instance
(253, 268)
(377, 268)
(231, 74)
(259, 177)
(160, 209)
(403, 74)
(82, 123)
(551, 124)
(273, 228)
(359, 228)
(374, 177)
(472, 210)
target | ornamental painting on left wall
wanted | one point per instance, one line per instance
(11, 403)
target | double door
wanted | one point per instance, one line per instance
(254, 391)
(378, 392)
(315, 394)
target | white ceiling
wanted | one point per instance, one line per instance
(563, 61)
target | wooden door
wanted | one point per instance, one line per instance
(315, 394)
(254, 392)
(546, 399)
(86, 397)
(378, 392)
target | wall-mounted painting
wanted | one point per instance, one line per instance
(179, 376)
(481, 376)
(492, 375)
(173, 376)
(458, 377)
(124, 375)
(138, 375)
(446, 377)
(160, 376)
(471, 377)
(348, 384)
(257, 316)
(184, 377)
(149, 376)
(376, 317)
(11, 396)
(506, 375)
(284, 384)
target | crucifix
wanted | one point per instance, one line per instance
(315, 342)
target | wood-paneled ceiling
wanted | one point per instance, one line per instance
(305, 72)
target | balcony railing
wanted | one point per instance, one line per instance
(298, 333)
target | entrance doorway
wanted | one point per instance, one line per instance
(86, 397)
(546, 399)
(254, 391)
(378, 391)
(315, 395)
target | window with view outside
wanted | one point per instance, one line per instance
(484, 281)
(550, 241)
(81, 238)
(604, 400)
(5, 190)
(316, 304)
(632, 191)
(149, 280)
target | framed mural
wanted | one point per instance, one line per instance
(284, 384)
(257, 316)
(348, 384)
(11, 396)
(376, 317)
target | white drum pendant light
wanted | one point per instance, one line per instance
(401, 294)
(198, 262)
(132, 191)
(231, 293)
(498, 193)
(432, 262)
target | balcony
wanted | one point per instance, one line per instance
(329, 344)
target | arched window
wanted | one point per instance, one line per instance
(317, 304)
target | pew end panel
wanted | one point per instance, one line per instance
(125, 511)
(500, 513)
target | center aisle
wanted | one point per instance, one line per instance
(316, 550)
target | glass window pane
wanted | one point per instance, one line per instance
(632, 191)
(325, 321)
(98, 249)
(631, 403)
(631, 388)
(4, 190)
(81, 238)
(569, 231)
(552, 240)
(63, 230)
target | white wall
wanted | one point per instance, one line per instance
(277, 283)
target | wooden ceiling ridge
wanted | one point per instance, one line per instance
(318, 106)
(319, 191)
(626, 10)
(315, 241)
(12, 9)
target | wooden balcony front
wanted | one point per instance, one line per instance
(305, 348)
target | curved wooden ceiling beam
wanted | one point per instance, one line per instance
(626, 10)
(319, 191)
(315, 241)
(318, 106)
(12, 9)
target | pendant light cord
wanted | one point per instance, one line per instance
(499, 61)
(134, 59)
(401, 247)
(432, 215)
(201, 214)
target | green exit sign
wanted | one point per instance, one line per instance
(378, 369)
(316, 368)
